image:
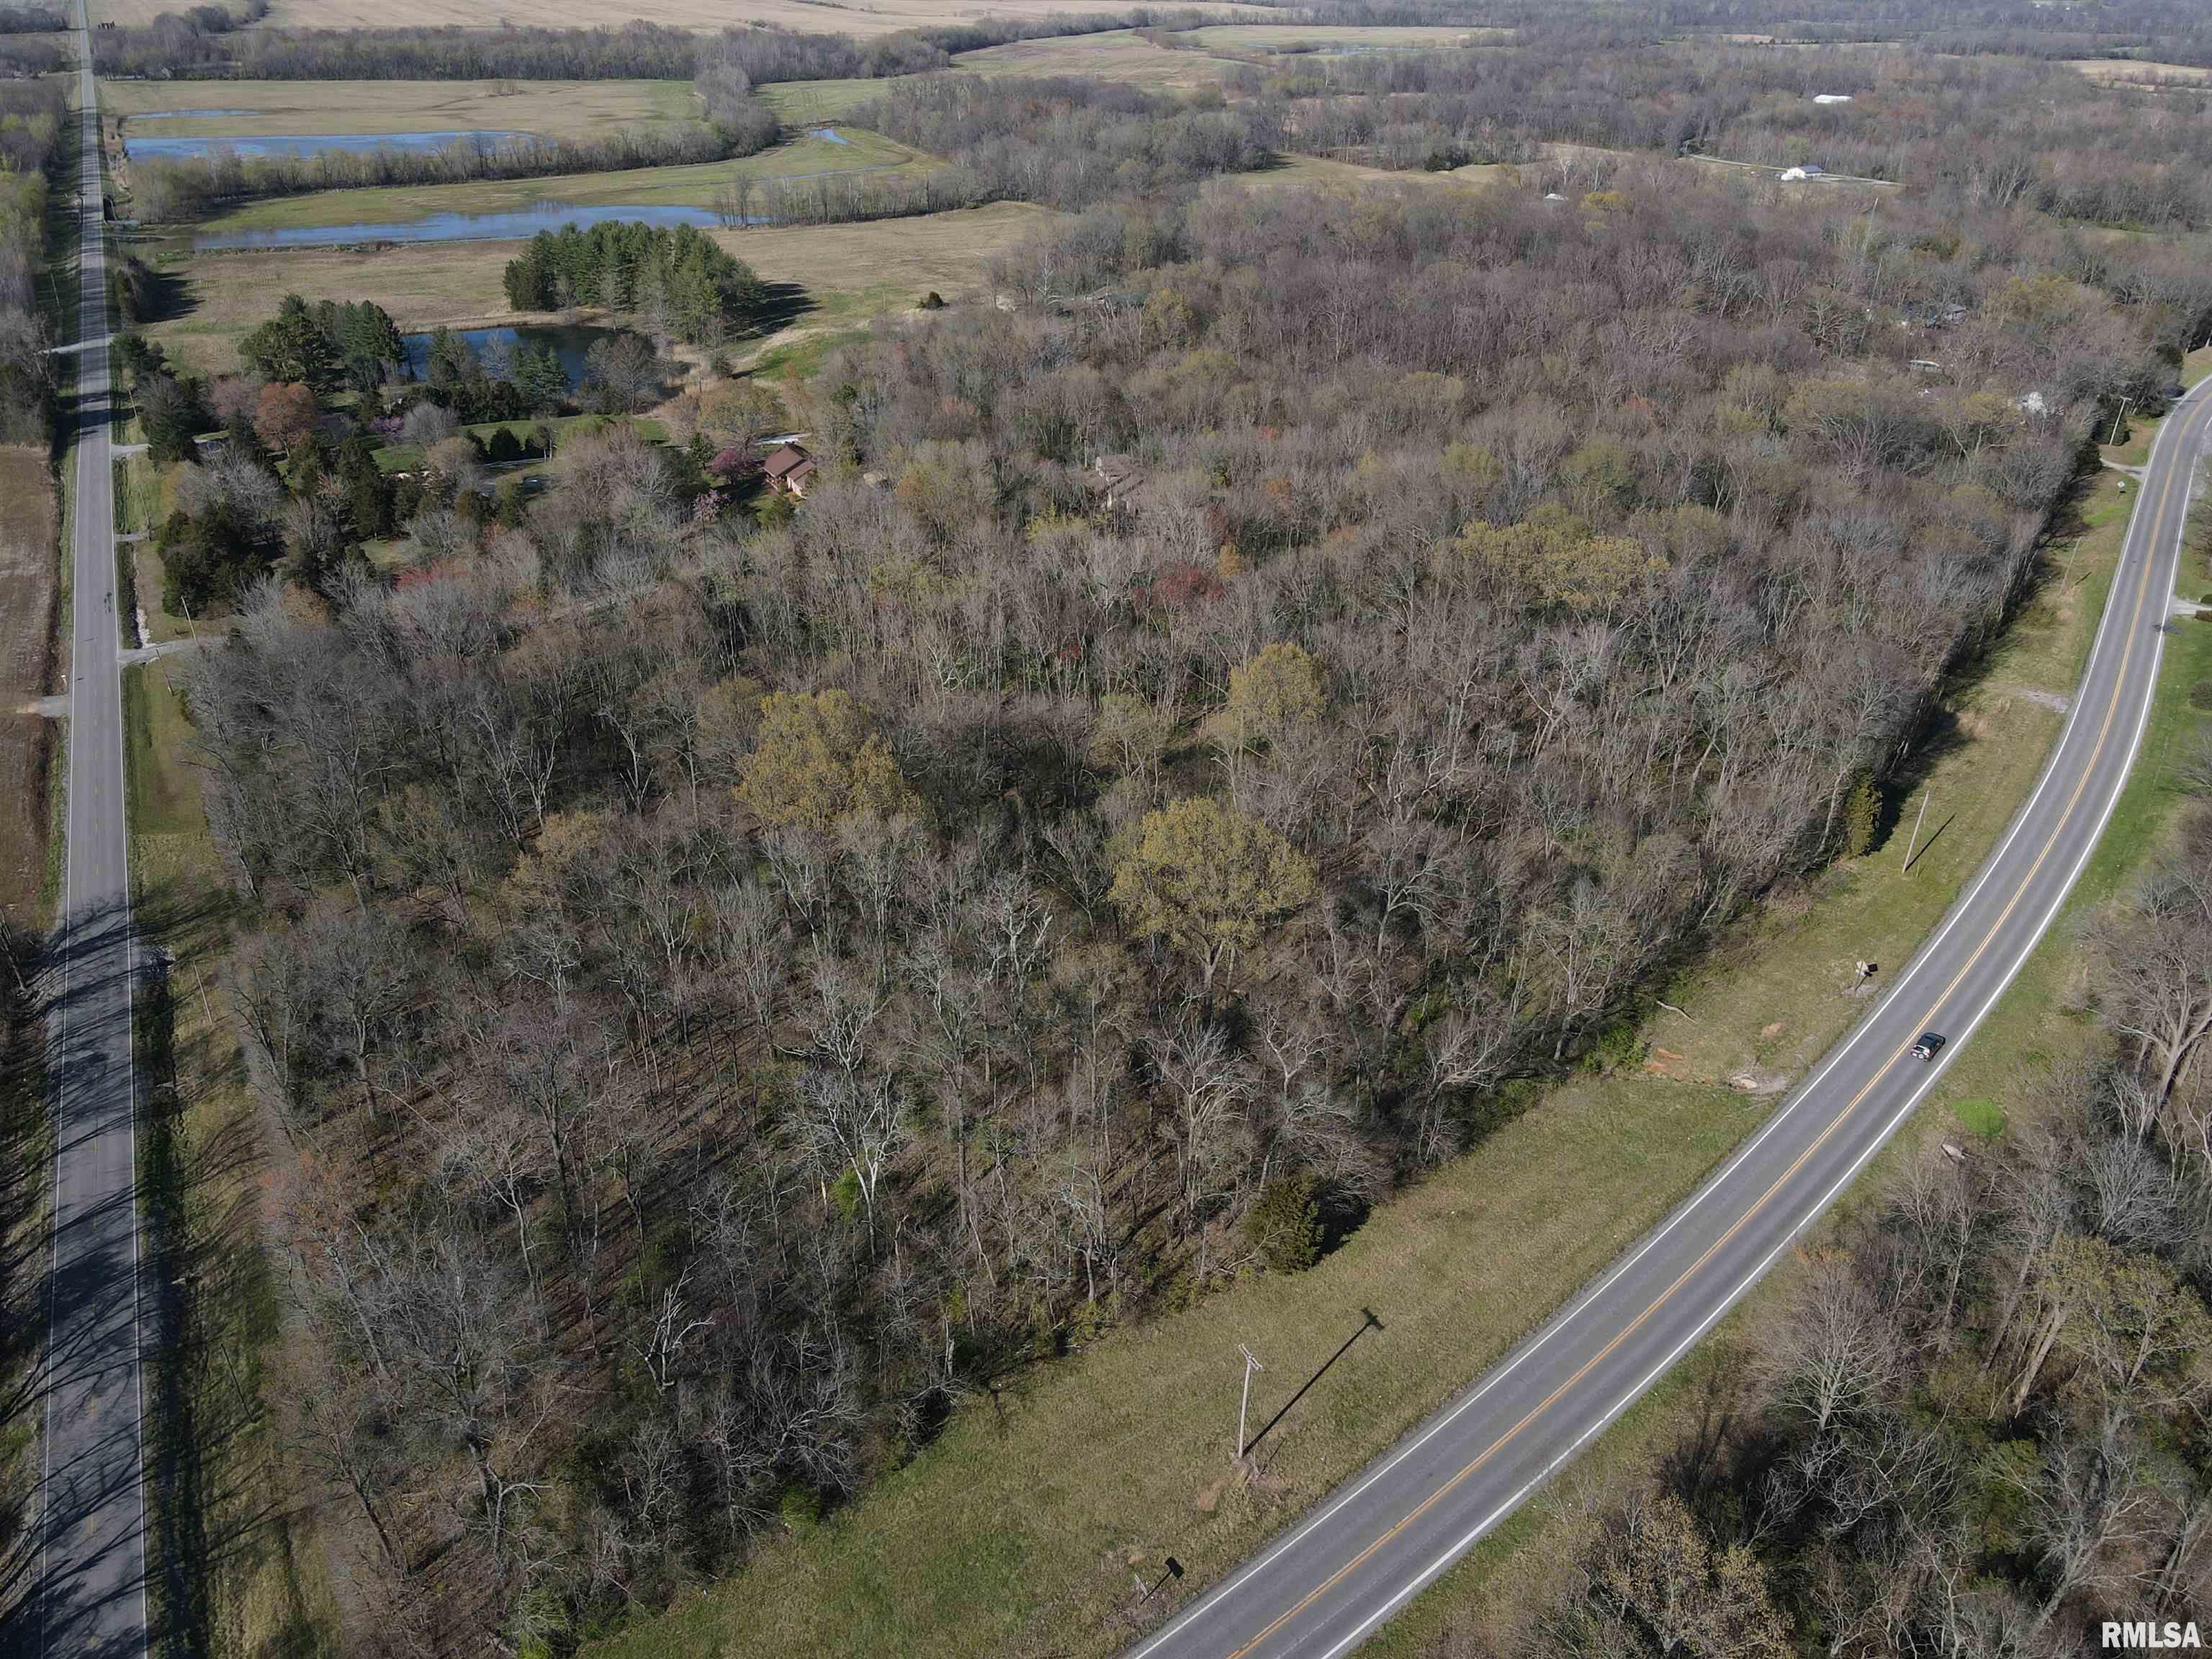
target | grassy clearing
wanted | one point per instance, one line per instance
(552, 109)
(1122, 55)
(814, 16)
(29, 574)
(1305, 37)
(848, 273)
(1311, 172)
(1015, 1532)
(2138, 70)
(810, 103)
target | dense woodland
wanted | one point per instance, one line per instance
(31, 116)
(730, 987)
(725, 980)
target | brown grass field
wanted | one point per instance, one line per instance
(1121, 55)
(553, 109)
(2112, 70)
(29, 574)
(1310, 172)
(860, 17)
(847, 271)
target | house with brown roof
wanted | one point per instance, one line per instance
(789, 471)
(1115, 479)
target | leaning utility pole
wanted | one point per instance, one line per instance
(1911, 845)
(1244, 1401)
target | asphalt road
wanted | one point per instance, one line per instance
(91, 1599)
(1326, 1584)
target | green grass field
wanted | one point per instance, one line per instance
(553, 109)
(810, 103)
(692, 185)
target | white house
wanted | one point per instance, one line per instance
(1832, 98)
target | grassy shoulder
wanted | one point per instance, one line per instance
(552, 109)
(1017, 1530)
(692, 185)
(236, 1575)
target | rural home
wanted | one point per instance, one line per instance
(789, 471)
(1114, 479)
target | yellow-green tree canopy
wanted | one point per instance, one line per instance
(1557, 558)
(819, 761)
(1279, 688)
(1209, 880)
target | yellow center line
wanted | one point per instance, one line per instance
(2088, 769)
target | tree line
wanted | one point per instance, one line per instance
(179, 45)
(31, 116)
(177, 190)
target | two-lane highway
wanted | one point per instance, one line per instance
(91, 1600)
(1323, 1587)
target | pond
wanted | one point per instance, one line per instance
(568, 342)
(513, 226)
(314, 144)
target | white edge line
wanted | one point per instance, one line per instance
(1582, 1299)
(1421, 1580)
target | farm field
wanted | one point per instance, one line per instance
(693, 185)
(859, 17)
(552, 109)
(29, 571)
(2112, 70)
(847, 271)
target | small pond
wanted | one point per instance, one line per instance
(313, 144)
(513, 226)
(568, 342)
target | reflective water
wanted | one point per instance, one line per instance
(570, 342)
(313, 144)
(512, 226)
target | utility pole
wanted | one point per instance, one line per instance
(2118, 418)
(1919, 820)
(1245, 1401)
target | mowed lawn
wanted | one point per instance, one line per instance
(552, 109)
(847, 273)
(1016, 1533)
(29, 574)
(860, 152)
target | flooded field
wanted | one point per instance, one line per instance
(309, 144)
